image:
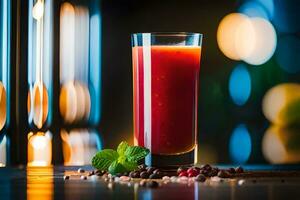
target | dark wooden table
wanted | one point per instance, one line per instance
(48, 183)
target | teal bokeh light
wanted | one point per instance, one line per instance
(240, 85)
(240, 144)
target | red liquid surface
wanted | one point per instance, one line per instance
(174, 85)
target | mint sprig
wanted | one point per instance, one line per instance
(123, 160)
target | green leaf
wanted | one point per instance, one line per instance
(122, 148)
(103, 159)
(136, 153)
(116, 167)
(129, 165)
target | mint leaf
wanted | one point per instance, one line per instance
(135, 153)
(116, 167)
(129, 165)
(122, 148)
(103, 159)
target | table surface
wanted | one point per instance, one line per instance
(36, 183)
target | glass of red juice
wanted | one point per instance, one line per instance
(165, 96)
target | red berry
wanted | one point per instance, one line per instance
(191, 170)
(193, 173)
(184, 173)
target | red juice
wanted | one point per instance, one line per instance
(174, 88)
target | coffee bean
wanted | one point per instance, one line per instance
(66, 177)
(83, 177)
(223, 174)
(231, 170)
(80, 170)
(150, 169)
(144, 175)
(200, 178)
(134, 174)
(213, 172)
(156, 171)
(142, 166)
(153, 176)
(100, 172)
(239, 169)
(152, 184)
(91, 173)
(206, 167)
(204, 172)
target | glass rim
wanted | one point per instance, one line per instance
(175, 34)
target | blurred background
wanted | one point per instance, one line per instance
(66, 77)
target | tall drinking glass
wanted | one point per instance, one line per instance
(165, 92)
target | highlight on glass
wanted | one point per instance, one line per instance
(165, 92)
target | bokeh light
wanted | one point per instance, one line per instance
(287, 54)
(281, 104)
(252, 40)
(253, 9)
(79, 146)
(39, 149)
(240, 144)
(265, 42)
(227, 32)
(2, 106)
(240, 85)
(258, 8)
(281, 145)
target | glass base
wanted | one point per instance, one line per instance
(172, 161)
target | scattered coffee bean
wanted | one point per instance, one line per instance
(239, 169)
(142, 166)
(152, 184)
(231, 170)
(154, 176)
(156, 171)
(83, 177)
(91, 173)
(200, 178)
(206, 167)
(66, 177)
(213, 172)
(204, 172)
(150, 169)
(80, 170)
(144, 175)
(223, 174)
(100, 172)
